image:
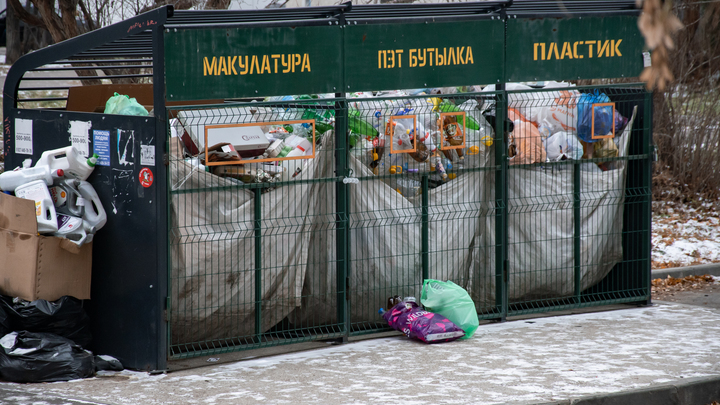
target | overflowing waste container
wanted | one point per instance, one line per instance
(279, 190)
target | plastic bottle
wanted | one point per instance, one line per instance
(401, 137)
(440, 168)
(70, 161)
(9, 181)
(72, 228)
(545, 131)
(67, 198)
(301, 146)
(44, 208)
(407, 187)
(95, 216)
(277, 149)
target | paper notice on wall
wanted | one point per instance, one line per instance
(147, 155)
(80, 136)
(23, 137)
(101, 146)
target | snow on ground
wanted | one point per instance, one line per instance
(684, 236)
(516, 362)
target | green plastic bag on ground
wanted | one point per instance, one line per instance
(124, 105)
(451, 301)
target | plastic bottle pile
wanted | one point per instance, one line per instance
(438, 138)
(66, 205)
(401, 135)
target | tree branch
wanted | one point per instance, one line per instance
(23, 15)
(86, 14)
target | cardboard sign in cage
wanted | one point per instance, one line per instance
(390, 132)
(458, 128)
(612, 118)
(249, 133)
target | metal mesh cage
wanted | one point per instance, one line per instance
(273, 242)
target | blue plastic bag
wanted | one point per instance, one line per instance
(603, 116)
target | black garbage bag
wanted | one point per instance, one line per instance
(43, 357)
(6, 322)
(65, 317)
(107, 363)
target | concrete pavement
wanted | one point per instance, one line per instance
(667, 353)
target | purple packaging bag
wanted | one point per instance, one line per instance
(416, 323)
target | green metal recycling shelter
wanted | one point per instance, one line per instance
(190, 264)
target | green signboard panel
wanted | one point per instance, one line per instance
(404, 56)
(573, 48)
(204, 64)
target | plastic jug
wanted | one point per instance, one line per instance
(70, 161)
(95, 216)
(9, 181)
(72, 228)
(67, 198)
(44, 209)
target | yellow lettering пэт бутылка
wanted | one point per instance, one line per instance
(256, 64)
(421, 57)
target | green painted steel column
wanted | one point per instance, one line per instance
(648, 151)
(342, 214)
(502, 266)
(501, 206)
(425, 227)
(576, 230)
(258, 265)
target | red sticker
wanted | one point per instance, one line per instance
(146, 177)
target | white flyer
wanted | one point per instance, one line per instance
(147, 155)
(23, 136)
(80, 136)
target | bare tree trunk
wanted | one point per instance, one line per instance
(13, 50)
(217, 4)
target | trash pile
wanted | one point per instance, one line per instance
(406, 137)
(43, 341)
(448, 314)
(561, 125)
(401, 134)
(263, 144)
(66, 205)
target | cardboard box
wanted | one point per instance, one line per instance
(35, 266)
(92, 98)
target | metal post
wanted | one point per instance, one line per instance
(342, 213)
(576, 231)
(501, 205)
(162, 194)
(647, 200)
(258, 265)
(425, 228)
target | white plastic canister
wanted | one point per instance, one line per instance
(44, 209)
(70, 161)
(9, 181)
(71, 228)
(95, 216)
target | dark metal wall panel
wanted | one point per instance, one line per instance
(124, 311)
